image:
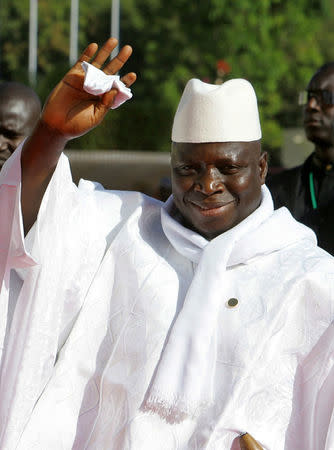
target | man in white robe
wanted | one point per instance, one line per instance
(148, 326)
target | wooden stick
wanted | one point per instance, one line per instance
(247, 442)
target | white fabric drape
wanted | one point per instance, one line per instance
(191, 350)
(46, 306)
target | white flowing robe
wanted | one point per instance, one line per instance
(101, 266)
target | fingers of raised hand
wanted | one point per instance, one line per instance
(118, 62)
(129, 79)
(108, 98)
(104, 52)
(88, 53)
(75, 76)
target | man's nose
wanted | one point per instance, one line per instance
(210, 181)
(313, 103)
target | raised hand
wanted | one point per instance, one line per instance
(72, 112)
(68, 113)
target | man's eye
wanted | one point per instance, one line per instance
(185, 170)
(229, 169)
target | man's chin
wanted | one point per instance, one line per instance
(209, 228)
(317, 137)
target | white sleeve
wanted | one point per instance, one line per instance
(312, 427)
(67, 245)
(323, 419)
(13, 253)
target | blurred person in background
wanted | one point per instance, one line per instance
(308, 190)
(20, 109)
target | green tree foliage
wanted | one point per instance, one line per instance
(275, 44)
(325, 34)
(14, 29)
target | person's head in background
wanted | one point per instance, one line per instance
(20, 108)
(319, 112)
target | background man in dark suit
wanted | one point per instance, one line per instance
(308, 190)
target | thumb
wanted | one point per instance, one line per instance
(108, 98)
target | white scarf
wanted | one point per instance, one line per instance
(184, 378)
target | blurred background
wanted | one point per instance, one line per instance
(275, 44)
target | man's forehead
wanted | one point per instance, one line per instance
(233, 150)
(323, 80)
(14, 114)
(13, 104)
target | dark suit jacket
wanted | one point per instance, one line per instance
(291, 188)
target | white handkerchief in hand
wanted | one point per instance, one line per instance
(97, 83)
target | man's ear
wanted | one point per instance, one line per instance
(263, 166)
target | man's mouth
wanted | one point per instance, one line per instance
(211, 208)
(310, 121)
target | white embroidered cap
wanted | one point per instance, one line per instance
(217, 113)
